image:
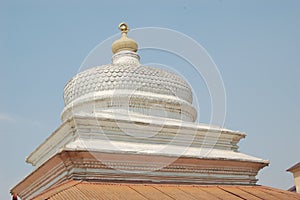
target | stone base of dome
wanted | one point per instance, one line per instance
(108, 132)
(131, 103)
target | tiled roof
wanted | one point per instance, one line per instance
(100, 190)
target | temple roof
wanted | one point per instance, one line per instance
(101, 190)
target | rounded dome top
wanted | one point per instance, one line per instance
(127, 87)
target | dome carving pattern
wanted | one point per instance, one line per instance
(127, 77)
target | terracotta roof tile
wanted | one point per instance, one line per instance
(240, 193)
(194, 191)
(150, 192)
(113, 191)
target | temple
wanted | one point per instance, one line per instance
(129, 131)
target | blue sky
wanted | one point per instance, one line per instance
(255, 45)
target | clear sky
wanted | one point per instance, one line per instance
(255, 45)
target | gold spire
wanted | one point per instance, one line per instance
(124, 43)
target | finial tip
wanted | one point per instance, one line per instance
(123, 27)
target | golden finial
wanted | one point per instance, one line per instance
(124, 43)
(123, 27)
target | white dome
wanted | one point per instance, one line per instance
(125, 86)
